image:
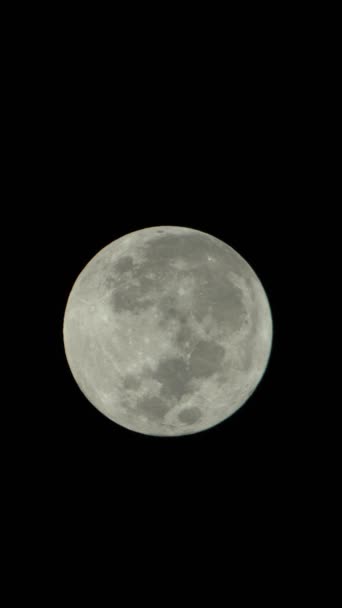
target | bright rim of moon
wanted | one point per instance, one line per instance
(167, 331)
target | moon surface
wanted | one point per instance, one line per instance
(167, 331)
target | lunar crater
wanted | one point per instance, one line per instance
(190, 415)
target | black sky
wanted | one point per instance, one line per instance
(113, 156)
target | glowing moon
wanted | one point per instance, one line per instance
(167, 331)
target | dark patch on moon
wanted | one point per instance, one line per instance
(171, 311)
(221, 297)
(205, 359)
(185, 334)
(153, 408)
(173, 374)
(196, 247)
(167, 248)
(190, 415)
(130, 297)
(131, 382)
(124, 264)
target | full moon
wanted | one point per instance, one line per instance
(167, 331)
